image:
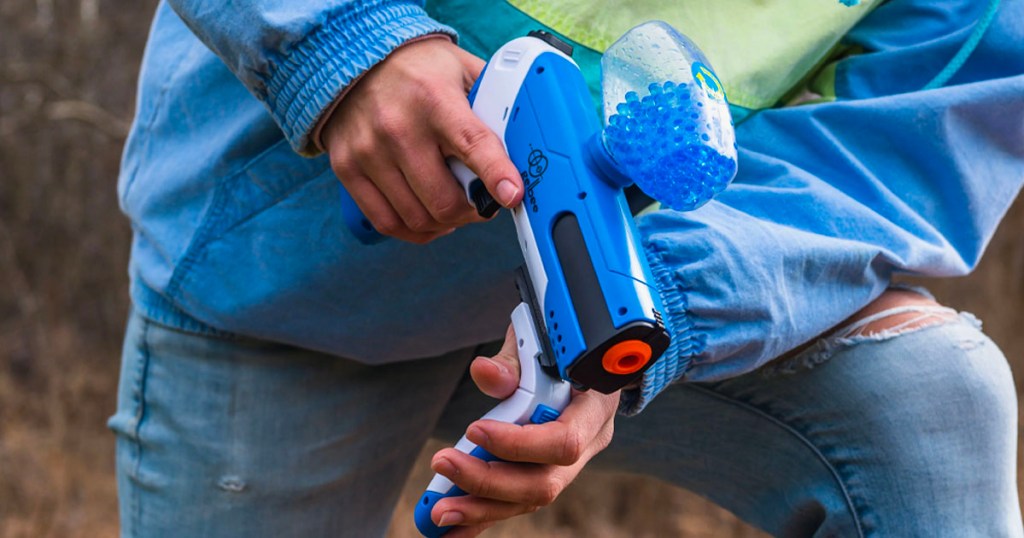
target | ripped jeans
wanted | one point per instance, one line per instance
(906, 432)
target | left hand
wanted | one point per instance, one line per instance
(541, 460)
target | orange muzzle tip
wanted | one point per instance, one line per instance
(626, 357)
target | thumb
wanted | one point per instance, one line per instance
(498, 376)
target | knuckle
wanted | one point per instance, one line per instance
(517, 449)
(604, 438)
(449, 209)
(391, 124)
(362, 148)
(548, 491)
(572, 447)
(471, 138)
(341, 162)
(429, 93)
(484, 487)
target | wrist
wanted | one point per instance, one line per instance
(316, 137)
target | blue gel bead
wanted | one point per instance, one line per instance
(678, 167)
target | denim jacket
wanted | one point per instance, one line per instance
(237, 227)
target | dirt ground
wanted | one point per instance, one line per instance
(67, 76)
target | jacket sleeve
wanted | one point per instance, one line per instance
(298, 55)
(832, 199)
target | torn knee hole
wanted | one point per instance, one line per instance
(901, 320)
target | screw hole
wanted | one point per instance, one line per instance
(521, 342)
(540, 69)
(622, 311)
(581, 195)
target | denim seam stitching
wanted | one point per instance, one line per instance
(212, 219)
(141, 372)
(160, 310)
(803, 438)
(281, 196)
(198, 249)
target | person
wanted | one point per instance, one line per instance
(279, 378)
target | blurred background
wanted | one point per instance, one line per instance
(67, 81)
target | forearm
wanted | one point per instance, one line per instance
(831, 200)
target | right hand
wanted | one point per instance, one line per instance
(389, 137)
(540, 460)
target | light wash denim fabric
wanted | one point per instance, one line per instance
(235, 232)
(909, 435)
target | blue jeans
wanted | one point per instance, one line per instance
(896, 434)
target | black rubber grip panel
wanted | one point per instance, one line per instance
(599, 334)
(529, 296)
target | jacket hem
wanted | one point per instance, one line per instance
(156, 308)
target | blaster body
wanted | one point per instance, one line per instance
(586, 277)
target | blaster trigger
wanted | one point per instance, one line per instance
(486, 205)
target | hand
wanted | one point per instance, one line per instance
(541, 460)
(389, 137)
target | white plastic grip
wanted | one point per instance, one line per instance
(536, 387)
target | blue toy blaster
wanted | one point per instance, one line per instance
(590, 317)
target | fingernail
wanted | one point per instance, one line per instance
(443, 466)
(501, 367)
(450, 518)
(476, 435)
(507, 192)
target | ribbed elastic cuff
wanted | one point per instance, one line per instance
(686, 340)
(305, 83)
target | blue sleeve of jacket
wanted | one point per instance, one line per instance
(832, 199)
(298, 55)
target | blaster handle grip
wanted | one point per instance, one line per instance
(540, 398)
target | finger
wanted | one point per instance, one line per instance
(498, 376)
(588, 418)
(473, 66)
(395, 187)
(468, 532)
(378, 210)
(520, 483)
(465, 137)
(470, 510)
(433, 184)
